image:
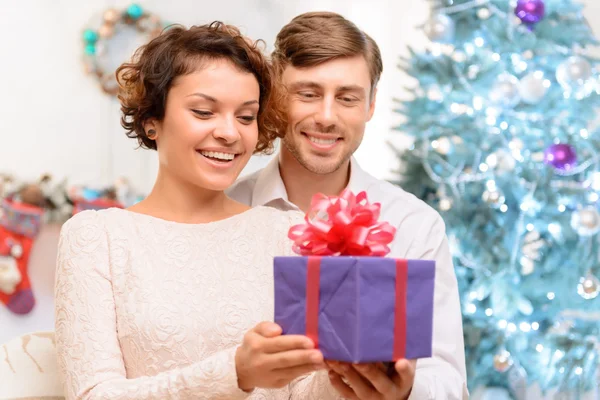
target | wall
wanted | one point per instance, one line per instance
(54, 118)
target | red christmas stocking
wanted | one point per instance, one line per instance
(19, 225)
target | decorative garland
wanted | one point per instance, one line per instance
(57, 202)
(96, 41)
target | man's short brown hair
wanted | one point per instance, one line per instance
(314, 38)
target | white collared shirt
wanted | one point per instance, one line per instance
(421, 234)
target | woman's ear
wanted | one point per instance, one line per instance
(151, 129)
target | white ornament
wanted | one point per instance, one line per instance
(16, 251)
(533, 87)
(484, 13)
(445, 204)
(10, 276)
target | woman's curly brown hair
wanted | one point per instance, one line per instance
(145, 82)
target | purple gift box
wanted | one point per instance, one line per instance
(357, 309)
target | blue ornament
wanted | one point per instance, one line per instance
(90, 36)
(90, 49)
(135, 11)
(91, 194)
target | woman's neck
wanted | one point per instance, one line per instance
(176, 200)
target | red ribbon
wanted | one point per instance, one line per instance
(313, 276)
(345, 225)
(400, 311)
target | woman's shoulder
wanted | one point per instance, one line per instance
(90, 220)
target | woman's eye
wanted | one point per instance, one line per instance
(202, 114)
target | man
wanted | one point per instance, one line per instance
(331, 70)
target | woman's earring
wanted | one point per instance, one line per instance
(151, 133)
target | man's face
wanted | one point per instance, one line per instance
(329, 106)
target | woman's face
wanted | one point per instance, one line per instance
(209, 131)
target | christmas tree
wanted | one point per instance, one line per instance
(506, 146)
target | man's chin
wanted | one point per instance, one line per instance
(322, 165)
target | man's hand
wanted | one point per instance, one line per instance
(266, 359)
(370, 381)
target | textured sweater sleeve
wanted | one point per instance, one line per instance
(89, 354)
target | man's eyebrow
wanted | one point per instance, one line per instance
(305, 85)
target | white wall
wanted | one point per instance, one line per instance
(54, 118)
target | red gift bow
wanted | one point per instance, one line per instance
(345, 225)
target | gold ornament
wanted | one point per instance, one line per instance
(588, 287)
(586, 221)
(502, 361)
(111, 16)
(106, 31)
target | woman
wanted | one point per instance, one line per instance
(162, 300)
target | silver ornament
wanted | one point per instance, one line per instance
(501, 160)
(527, 266)
(531, 250)
(473, 71)
(574, 75)
(459, 56)
(586, 222)
(505, 92)
(502, 361)
(440, 28)
(494, 393)
(533, 87)
(588, 287)
(442, 145)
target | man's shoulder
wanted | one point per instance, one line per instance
(242, 189)
(397, 203)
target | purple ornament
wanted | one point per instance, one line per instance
(530, 12)
(21, 302)
(561, 156)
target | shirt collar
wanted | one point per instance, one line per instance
(270, 190)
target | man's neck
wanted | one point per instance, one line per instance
(301, 185)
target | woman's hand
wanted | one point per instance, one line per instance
(268, 359)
